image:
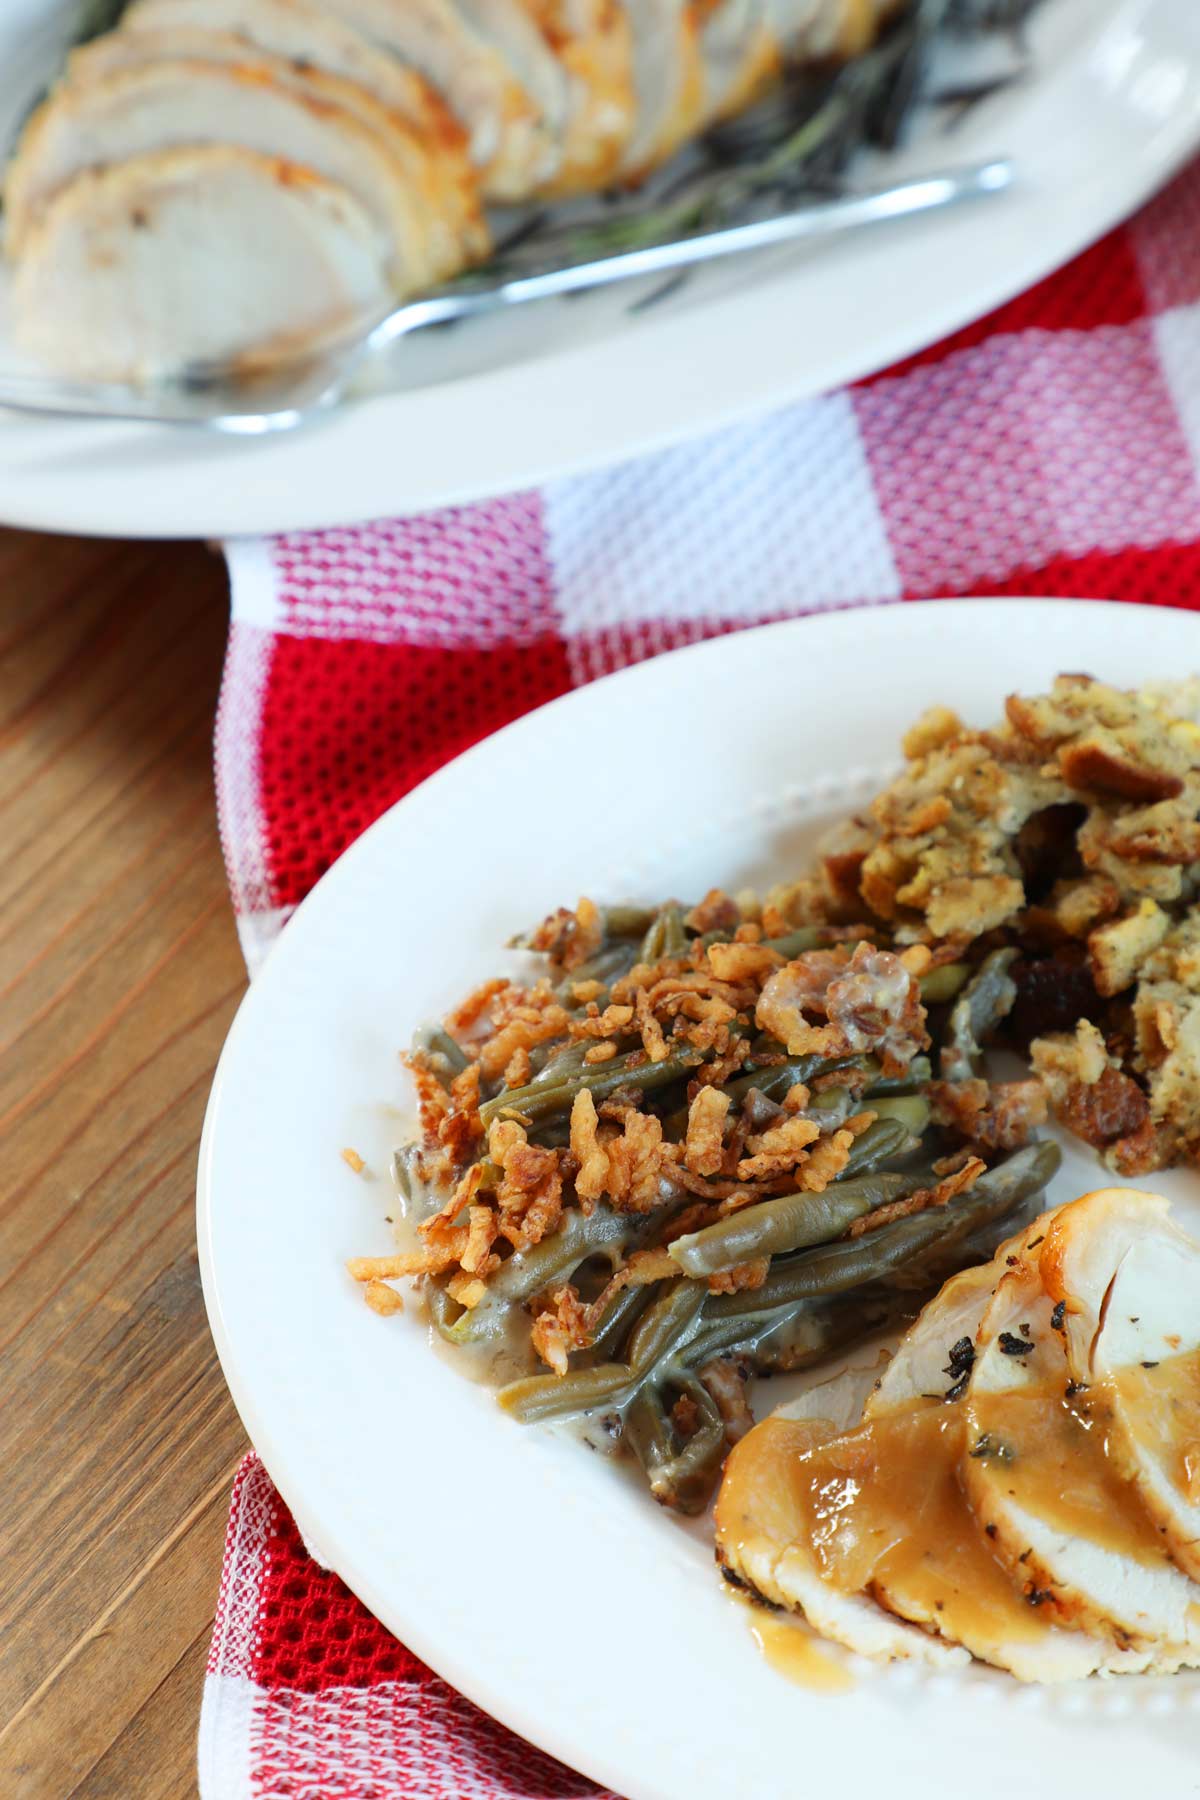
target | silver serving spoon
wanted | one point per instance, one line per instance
(225, 398)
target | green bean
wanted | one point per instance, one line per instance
(775, 1227)
(666, 1327)
(943, 983)
(647, 1430)
(622, 920)
(797, 1335)
(548, 1099)
(417, 1199)
(434, 1045)
(833, 1104)
(779, 1077)
(918, 1072)
(528, 1272)
(913, 1111)
(607, 966)
(877, 1144)
(555, 1134)
(987, 998)
(708, 938)
(613, 1326)
(544, 1397)
(666, 935)
(659, 1335)
(402, 1179)
(816, 937)
(627, 921)
(680, 1478)
(995, 1196)
(675, 1124)
(795, 943)
(553, 1062)
(836, 1268)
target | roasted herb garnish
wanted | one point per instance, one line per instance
(962, 1359)
(990, 1449)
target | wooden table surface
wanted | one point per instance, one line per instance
(120, 971)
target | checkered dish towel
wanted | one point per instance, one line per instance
(1054, 448)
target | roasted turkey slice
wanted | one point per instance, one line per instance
(434, 160)
(878, 1513)
(762, 1529)
(1060, 1514)
(942, 1572)
(741, 56)
(593, 41)
(166, 105)
(309, 34)
(668, 80)
(813, 30)
(1128, 1281)
(314, 42)
(117, 279)
(515, 147)
(763, 1524)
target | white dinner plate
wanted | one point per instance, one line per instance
(535, 1576)
(1113, 108)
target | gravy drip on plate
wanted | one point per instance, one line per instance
(795, 1653)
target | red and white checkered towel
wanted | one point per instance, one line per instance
(1054, 448)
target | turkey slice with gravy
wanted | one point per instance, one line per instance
(1128, 1281)
(1069, 1528)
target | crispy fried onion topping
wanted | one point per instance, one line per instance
(869, 999)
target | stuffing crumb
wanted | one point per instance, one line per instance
(353, 1160)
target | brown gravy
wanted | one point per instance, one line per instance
(1051, 1452)
(1160, 1407)
(884, 1507)
(794, 1652)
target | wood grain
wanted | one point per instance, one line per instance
(119, 974)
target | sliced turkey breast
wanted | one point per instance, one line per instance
(924, 1361)
(668, 81)
(593, 42)
(314, 42)
(740, 53)
(191, 255)
(1129, 1283)
(932, 1562)
(513, 34)
(762, 1529)
(1061, 1516)
(436, 165)
(514, 146)
(171, 104)
(812, 30)
(878, 1512)
(305, 32)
